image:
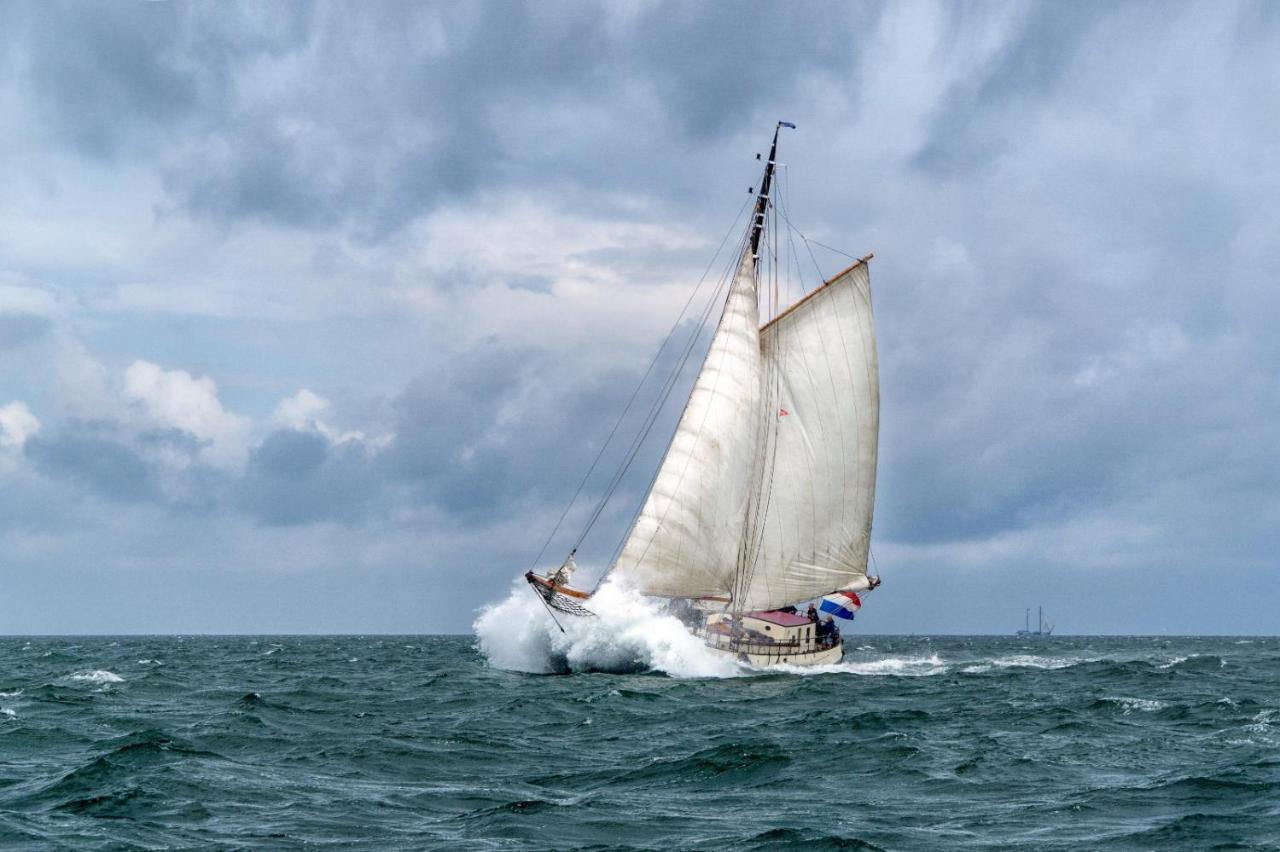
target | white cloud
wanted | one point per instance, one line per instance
(175, 398)
(19, 298)
(538, 277)
(17, 424)
(303, 412)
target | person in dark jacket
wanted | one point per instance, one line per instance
(812, 613)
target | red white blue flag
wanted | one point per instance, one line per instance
(841, 604)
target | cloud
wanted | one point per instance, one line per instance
(371, 285)
(174, 398)
(295, 477)
(98, 457)
(27, 312)
(302, 413)
(17, 424)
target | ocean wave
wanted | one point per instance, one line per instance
(13, 694)
(101, 676)
(789, 838)
(1194, 663)
(1131, 705)
(439, 748)
(8, 712)
(885, 666)
(737, 763)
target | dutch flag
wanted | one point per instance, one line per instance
(841, 604)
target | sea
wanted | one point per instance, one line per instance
(621, 736)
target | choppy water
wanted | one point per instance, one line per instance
(417, 742)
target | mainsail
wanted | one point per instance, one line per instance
(766, 492)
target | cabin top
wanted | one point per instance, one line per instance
(773, 616)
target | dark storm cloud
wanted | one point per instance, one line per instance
(501, 431)
(394, 107)
(299, 477)
(457, 451)
(963, 135)
(112, 80)
(96, 456)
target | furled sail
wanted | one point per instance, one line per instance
(821, 408)
(685, 540)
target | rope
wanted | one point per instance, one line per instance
(634, 450)
(634, 394)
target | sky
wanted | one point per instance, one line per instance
(312, 316)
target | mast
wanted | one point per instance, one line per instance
(762, 200)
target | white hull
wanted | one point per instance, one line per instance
(761, 657)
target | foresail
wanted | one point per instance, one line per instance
(685, 541)
(822, 394)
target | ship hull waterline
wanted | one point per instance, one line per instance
(772, 657)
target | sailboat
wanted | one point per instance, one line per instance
(1043, 628)
(764, 497)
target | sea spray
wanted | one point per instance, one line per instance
(628, 634)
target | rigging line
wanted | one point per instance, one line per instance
(650, 418)
(795, 257)
(764, 490)
(805, 361)
(730, 277)
(827, 247)
(791, 228)
(634, 449)
(815, 242)
(751, 541)
(654, 411)
(807, 244)
(635, 393)
(784, 201)
(664, 393)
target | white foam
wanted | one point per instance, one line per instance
(98, 676)
(148, 662)
(628, 634)
(886, 666)
(1030, 661)
(5, 711)
(1144, 705)
(13, 694)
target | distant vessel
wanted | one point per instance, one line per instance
(1044, 628)
(764, 497)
